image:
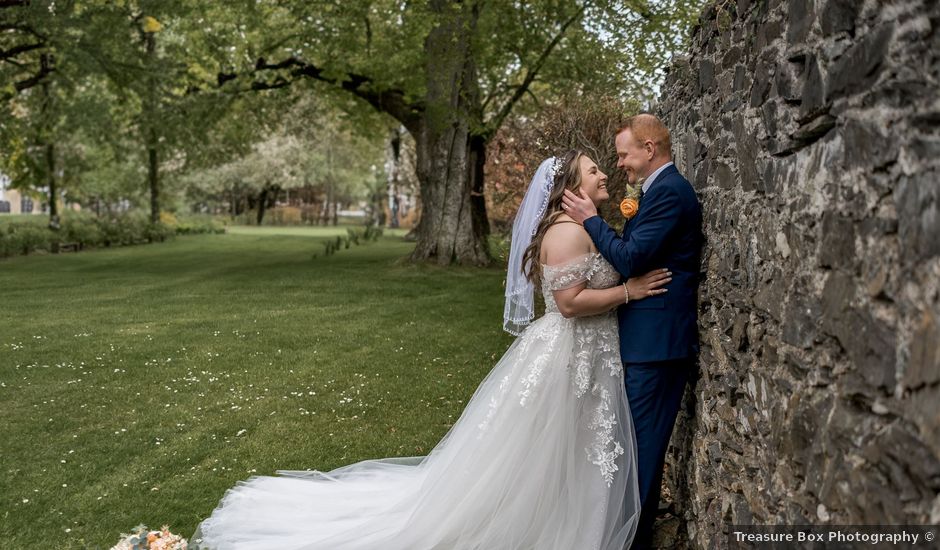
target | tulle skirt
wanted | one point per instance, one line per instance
(542, 458)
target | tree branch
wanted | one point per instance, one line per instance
(34, 80)
(494, 123)
(15, 63)
(391, 101)
(22, 48)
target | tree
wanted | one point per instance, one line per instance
(25, 58)
(451, 72)
(77, 45)
(310, 149)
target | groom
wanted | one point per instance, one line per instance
(658, 335)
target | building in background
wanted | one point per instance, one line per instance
(14, 202)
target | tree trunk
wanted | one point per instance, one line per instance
(50, 166)
(481, 223)
(149, 117)
(326, 205)
(450, 229)
(393, 162)
(153, 179)
(233, 206)
(241, 201)
(263, 202)
(274, 195)
(47, 117)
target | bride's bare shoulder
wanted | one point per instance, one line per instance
(566, 228)
(564, 240)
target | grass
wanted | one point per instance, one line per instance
(138, 383)
(306, 231)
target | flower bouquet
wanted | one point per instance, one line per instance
(142, 539)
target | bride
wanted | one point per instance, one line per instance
(543, 456)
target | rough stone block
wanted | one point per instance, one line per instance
(918, 204)
(924, 365)
(837, 242)
(839, 16)
(855, 71)
(801, 14)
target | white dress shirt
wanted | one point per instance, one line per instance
(652, 177)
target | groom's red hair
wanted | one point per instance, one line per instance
(646, 127)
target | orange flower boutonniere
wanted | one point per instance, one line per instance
(629, 207)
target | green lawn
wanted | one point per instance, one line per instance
(138, 383)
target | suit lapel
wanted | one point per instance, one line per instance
(632, 222)
(668, 171)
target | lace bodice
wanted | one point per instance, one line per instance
(591, 268)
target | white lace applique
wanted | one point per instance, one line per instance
(611, 356)
(494, 404)
(601, 453)
(545, 333)
(582, 369)
(567, 275)
(533, 367)
(614, 365)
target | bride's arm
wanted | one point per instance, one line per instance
(566, 242)
(580, 301)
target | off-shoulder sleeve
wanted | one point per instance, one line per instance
(569, 274)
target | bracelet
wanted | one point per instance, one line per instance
(626, 294)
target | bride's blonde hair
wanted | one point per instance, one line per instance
(568, 176)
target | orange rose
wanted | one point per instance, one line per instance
(628, 207)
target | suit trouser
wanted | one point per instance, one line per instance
(655, 394)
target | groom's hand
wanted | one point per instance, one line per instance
(577, 206)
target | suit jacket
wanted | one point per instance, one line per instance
(666, 232)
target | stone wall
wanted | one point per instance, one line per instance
(810, 131)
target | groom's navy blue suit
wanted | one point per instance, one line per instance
(658, 335)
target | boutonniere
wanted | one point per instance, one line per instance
(631, 202)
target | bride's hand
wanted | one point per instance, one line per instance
(649, 284)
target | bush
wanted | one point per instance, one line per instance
(199, 224)
(372, 233)
(5, 249)
(27, 234)
(81, 230)
(111, 232)
(159, 232)
(168, 218)
(28, 237)
(90, 231)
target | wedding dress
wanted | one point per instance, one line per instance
(542, 458)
